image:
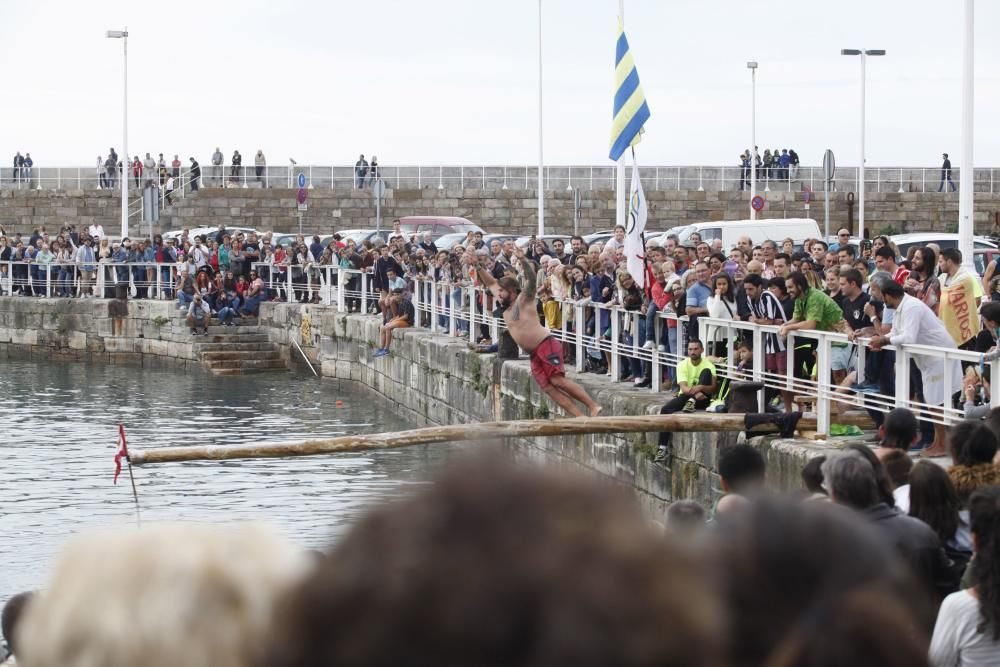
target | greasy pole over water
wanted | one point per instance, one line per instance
(455, 433)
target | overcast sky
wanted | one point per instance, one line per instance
(456, 81)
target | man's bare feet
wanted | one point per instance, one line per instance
(933, 452)
(596, 410)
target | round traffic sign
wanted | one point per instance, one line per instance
(757, 203)
(302, 180)
(301, 197)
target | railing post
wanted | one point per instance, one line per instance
(48, 281)
(341, 290)
(902, 376)
(758, 365)
(452, 324)
(578, 324)
(615, 357)
(823, 386)
(878, 179)
(473, 297)
(433, 304)
(290, 293)
(364, 293)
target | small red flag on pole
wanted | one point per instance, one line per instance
(122, 451)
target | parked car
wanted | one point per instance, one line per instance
(362, 235)
(449, 241)
(522, 242)
(208, 232)
(799, 229)
(603, 236)
(438, 226)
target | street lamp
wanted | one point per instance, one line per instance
(752, 66)
(123, 35)
(864, 53)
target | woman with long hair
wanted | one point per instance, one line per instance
(973, 446)
(721, 305)
(922, 283)
(934, 501)
(967, 631)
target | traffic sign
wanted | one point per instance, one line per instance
(302, 180)
(757, 203)
(829, 165)
(301, 197)
(379, 189)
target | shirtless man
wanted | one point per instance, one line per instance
(521, 318)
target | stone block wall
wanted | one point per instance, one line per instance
(142, 333)
(496, 210)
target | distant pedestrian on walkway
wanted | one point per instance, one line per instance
(236, 169)
(259, 165)
(195, 174)
(217, 160)
(175, 167)
(360, 171)
(374, 171)
(946, 173)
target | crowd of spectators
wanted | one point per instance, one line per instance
(839, 573)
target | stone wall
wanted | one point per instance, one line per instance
(497, 210)
(142, 333)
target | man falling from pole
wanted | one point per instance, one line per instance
(521, 317)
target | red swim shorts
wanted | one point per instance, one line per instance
(547, 362)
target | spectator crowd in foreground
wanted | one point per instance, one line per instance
(870, 563)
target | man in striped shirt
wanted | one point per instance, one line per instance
(766, 309)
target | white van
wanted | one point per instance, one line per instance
(775, 229)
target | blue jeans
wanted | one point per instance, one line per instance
(226, 315)
(183, 298)
(672, 346)
(65, 281)
(650, 330)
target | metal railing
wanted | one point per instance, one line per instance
(556, 177)
(588, 329)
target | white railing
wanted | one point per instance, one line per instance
(465, 311)
(555, 177)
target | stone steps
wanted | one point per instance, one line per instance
(231, 346)
(236, 350)
(237, 355)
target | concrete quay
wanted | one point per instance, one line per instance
(497, 210)
(432, 378)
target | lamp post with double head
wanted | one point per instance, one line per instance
(123, 35)
(864, 53)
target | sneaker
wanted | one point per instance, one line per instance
(194, 332)
(381, 352)
(661, 455)
(648, 345)
(661, 348)
(689, 406)
(638, 382)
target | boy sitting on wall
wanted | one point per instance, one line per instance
(403, 316)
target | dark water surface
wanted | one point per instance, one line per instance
(58, 443)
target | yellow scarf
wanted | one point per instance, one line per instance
(958, 310)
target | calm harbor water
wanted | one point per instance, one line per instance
(58, 445)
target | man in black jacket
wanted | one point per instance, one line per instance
(946, 173)
(850, 480)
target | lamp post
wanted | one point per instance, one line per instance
(752, 66)
(966, 183)
(123, 35)
(864, 53)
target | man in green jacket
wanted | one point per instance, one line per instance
(813, 310)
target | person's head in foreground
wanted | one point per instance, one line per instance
(812, 584)
(162, 596)
(502, 565)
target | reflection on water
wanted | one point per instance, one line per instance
(59, 440)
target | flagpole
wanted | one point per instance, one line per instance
(620, 198)
(541, 161)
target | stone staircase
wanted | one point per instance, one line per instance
(238, 350)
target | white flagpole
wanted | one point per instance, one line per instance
(541, 161)
(621, 198)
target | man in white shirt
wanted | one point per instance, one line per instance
(96, 231)
(915, 323)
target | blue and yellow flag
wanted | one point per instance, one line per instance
(631, 111)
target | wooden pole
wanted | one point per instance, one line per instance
(472, 432)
